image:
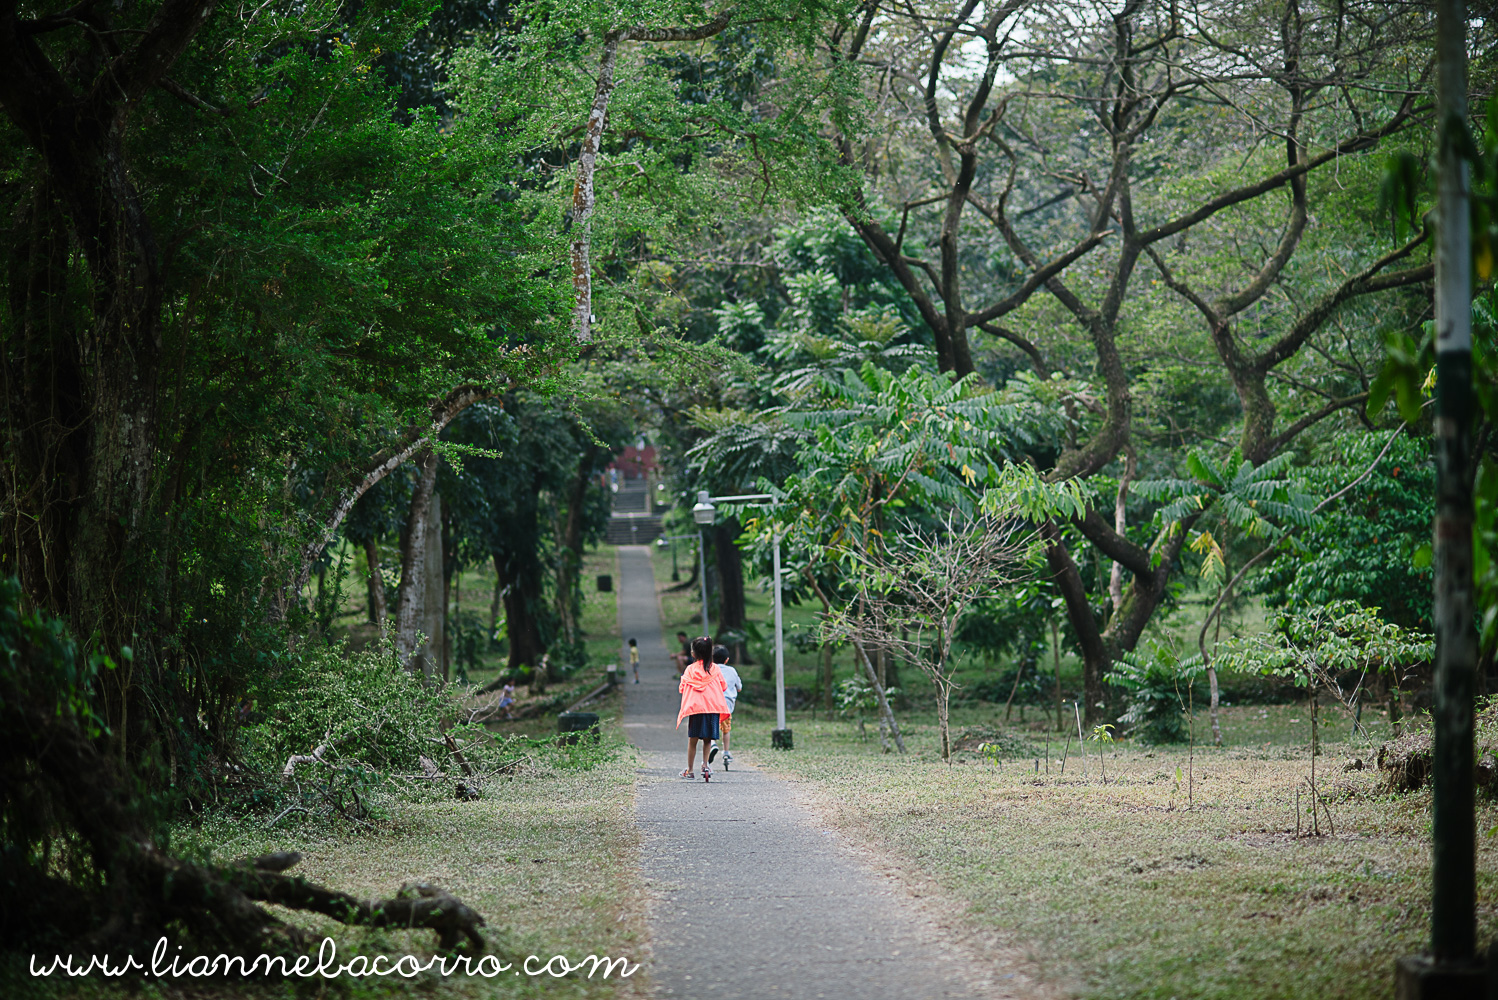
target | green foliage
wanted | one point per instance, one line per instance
(43, 663)
(470, 637)
(1020, 488)
(1250, 501)
(854, 697)
(1314, 645)
(1365, 546)
(369, 712)
(1158, 683)
(880, 439)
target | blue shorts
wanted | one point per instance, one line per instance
(703, 726)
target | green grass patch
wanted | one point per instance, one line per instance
(1183, 876)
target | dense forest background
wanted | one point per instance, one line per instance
(295, 294)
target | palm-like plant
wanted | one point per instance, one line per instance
(1255, 501)
(1234, 497)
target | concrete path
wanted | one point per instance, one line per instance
(754, 899)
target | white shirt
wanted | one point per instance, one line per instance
(731, 693)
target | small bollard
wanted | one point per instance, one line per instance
(573, 726)
(780, 739)
(612, 672)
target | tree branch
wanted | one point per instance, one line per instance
(416, 438)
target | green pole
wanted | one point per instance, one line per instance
(1453, 929)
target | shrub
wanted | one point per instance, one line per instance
(1158, 683)
(364, 706)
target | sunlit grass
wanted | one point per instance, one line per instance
(1183, 876)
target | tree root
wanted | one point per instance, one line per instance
(140, 891)
(415, 905)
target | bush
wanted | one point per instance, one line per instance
(1158, 685)
(364, 706)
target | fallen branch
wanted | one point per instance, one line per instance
(415, 905)
(315, 757)
(600, 689)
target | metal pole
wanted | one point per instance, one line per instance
(702, 573)
(1453, 925)
(779, 648)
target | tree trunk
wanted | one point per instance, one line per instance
(433, 613)
(409, 599)
(45, 396)
(827, 679)
(570, 549)
(1008, 705)
(943, 707)
(1121, 525)
(587, 158)
(521, 598)
(376, 582)
(730, 562)
(886, 714)
(416, 441)
(1056, 654)
(82, 138)
(582, 191)
(1095, 658)
(499, 590)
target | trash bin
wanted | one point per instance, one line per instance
(573, 725)
(605, 583)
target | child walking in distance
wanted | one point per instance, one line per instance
(732, 685)
(634, 658)
(702, 703)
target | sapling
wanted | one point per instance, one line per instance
(916, 596)
(1312, 647)
(1102, 734)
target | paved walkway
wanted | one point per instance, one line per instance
(753, 898)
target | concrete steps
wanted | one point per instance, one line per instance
(633, 529)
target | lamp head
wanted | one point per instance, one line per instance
(704, 512)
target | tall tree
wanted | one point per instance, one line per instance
(1047, 182)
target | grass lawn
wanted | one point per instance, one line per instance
(1183, 876)
(549, 855)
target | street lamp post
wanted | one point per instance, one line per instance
(703, 513)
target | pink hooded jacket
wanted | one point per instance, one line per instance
(701, 691)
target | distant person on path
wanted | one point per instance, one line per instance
(732, 685)
(507, 698)
(684, 657)
(634, 658)
(702, 703)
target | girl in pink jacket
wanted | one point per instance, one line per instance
(702, 702)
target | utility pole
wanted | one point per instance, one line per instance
(1452, 969)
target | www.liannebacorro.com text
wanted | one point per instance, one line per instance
(326, 965)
